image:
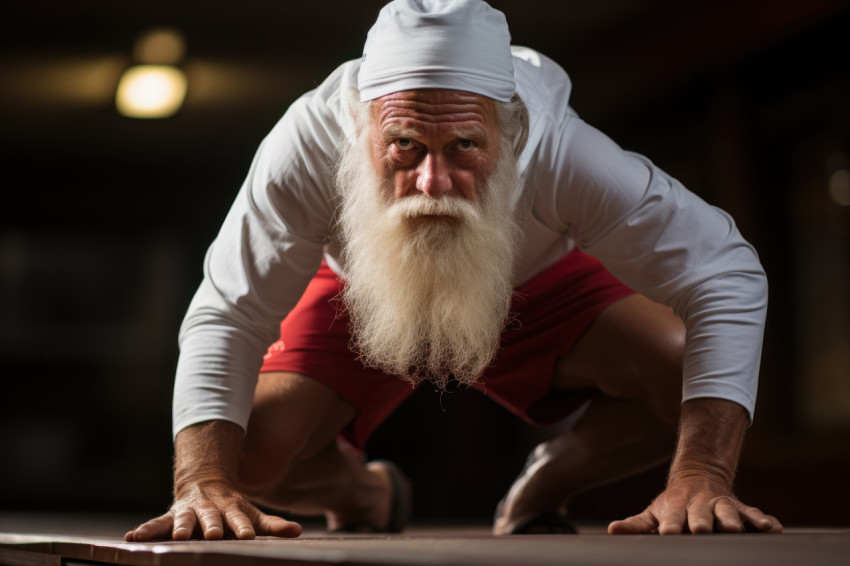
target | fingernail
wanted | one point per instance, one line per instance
(181, 533)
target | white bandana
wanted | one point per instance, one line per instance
(451, 44)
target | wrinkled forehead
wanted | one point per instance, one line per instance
(426, 108)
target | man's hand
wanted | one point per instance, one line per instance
(696, 505)
(212, 510)
(698, 497)
(206, 502)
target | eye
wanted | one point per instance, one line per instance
(465, 145)
(404, 143)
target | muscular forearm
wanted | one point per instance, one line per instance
(207, 451)
(711, 432)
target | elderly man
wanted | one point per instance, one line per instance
(437, 211)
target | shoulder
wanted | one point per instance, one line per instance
(320, 113)
(542, 83)
(306, 139)
(545, 88)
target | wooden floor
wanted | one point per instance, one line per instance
(422, 545)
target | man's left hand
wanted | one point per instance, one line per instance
(698, 497)
(697, 505)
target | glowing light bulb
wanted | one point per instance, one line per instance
(151, 91)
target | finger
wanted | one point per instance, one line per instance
(269, 525)
(239, 523)
(728, 519)
(210, 519)
(634, 525)
(759, 521)
(153, 529)
(184, 525)
(770, 524)
(672, 522)
(700, 518)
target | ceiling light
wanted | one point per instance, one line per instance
(151, 91)
(160, 46)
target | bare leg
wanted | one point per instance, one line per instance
(633, 355)
(293, 461)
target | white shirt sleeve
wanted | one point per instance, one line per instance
(267, 250)
(668, 244)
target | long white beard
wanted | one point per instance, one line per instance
(428, 298)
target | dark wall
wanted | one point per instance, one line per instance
(104, 221)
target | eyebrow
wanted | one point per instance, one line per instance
(474, 133)
(395, 131)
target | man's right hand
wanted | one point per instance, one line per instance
(206, 502)
(211, 510)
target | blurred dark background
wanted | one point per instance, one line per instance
(104, 221)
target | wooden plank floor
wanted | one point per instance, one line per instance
(460, 545)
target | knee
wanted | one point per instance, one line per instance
(265, 460)
(665, 386)
(293, 418)
(652, 364)
(276, 436)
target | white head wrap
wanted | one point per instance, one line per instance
(451, 44)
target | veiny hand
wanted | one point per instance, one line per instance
(697, 505)
(212, 510)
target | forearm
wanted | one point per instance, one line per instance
(207, 451)
(711, 432)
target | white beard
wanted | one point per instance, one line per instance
(428, 298)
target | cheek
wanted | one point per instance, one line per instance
(467, 182)
(470, 179)
(389, 177)
(400, 181)
(378, 160)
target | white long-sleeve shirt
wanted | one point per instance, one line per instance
(578, 188)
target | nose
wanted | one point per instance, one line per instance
(432, 175)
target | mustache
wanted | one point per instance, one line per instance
(414, 206)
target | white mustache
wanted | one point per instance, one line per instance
(423, 205)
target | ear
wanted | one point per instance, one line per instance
(521, 135)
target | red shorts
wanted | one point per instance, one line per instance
(552, 311)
